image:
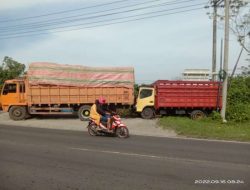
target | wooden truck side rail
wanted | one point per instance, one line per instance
(45, 94)
(165, 97)
(187, 94)
(24, 99)
(46, 99)
(195, 97)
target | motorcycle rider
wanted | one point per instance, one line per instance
(99, 114)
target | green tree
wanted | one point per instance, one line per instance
(10, 69)
(136, 90)
(239, 97)
(240, 22)
(245, 71)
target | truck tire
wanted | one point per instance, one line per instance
(84, 112)
(147, 113)
(197, 114)
(17, 113)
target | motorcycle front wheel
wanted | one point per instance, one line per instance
(92, 130)
(122, 132)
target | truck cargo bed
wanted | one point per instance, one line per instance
(46, 94)
(187, 94)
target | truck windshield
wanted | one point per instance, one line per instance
(145, 93)
(9, 88)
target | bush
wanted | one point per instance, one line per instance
(215, 116)
(238, 112)
(238, 107)
(126, 112)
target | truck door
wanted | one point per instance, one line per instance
(145, 98)
(9, 95)
(22, 97)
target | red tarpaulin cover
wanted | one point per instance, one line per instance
(76, 75)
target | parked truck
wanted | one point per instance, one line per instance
(65, 89)
(52, 88)
(164, 97)
(0, 98)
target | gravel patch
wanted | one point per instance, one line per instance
(137, 126)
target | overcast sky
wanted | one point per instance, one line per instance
(158, 48)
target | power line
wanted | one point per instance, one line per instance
(66, 11)
(48, 22)
(61, 18)
(61, 12)
(95, 26)
(107, 20)
(72, 25)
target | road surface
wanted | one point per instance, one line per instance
(137, 126)
(39, 159)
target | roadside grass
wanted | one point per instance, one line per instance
(207, 128)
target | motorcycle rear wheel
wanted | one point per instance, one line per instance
(122, 132)
(92, 130)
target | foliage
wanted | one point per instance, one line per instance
(245, 70)
(238, 112)
(136, 90)
(207, 128)
(238, 108)
(125, 112)
(215, 116)
(248, 81)
(10, 69)
(239, 20)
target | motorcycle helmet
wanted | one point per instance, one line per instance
(102, 100)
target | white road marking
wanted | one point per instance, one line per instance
(175, 159)
(209, 140)
(213, 163)
(120, 153)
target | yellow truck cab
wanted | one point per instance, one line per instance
(145, 102)
(13, 97)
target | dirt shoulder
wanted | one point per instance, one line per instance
(137, 126)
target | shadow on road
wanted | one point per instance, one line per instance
(41, 117)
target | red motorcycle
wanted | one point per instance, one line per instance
(117, 128)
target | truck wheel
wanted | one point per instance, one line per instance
(147, 113)
(198, 114)
(84, 112)
(17, 113)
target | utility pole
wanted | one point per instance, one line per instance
(214, 39)
(221, 53)
(225, 64)
(215, 4)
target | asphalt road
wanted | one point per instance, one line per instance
(43, 159)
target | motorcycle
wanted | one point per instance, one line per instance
(117, 128)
